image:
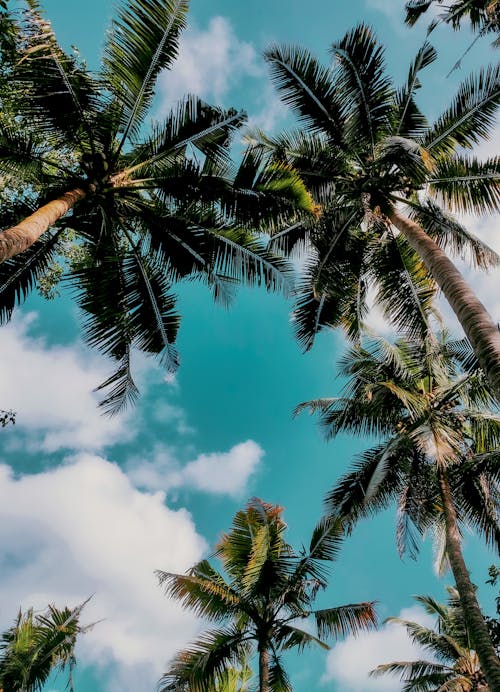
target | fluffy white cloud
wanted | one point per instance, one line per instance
(350, 661)
(50, 387)
(222, 473)
(210, 62)
(83, 529)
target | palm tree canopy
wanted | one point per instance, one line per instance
(365, 147)
(455, 665)
(147, 209)
(431, 413)
(38, 644)
(265, 591)
(483, 15)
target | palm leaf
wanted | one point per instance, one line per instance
(121, 390)
(360, 79)
(470, 117)
(278, 678)
(144, 39)
(307, 87)
(192, 122)
(203, 591)
(410, 122)
(345, 620)
(61, 96)
(204, 662)
(450, 235)
(20, 274)
(468, 185)
(404, 289)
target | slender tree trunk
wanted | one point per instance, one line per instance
(263, 668)
(490, 663)
(476, 322)
(19, 238)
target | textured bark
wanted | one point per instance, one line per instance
(490, 663)
(19, 238)
(263, 669)
(476, 322)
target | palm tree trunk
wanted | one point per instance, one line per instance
(19, 238)
(263, 668)
(490, 663)
(476, 322)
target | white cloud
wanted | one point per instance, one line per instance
(210, 62)
(350, 661)
(167, 413)
(221, 473)
(50, 388)
(83, 529)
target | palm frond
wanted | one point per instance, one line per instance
(415, 9)
(121, 390)
(410, 122)
(404, 289)
(425, 674)
(278, 678)
(360, 79)
(295, 637)
(192, 122)
(22, 155)
(348, 498)
(20, 274)
(467, 185)
(452, 236)
(203, 591)
(307, 87)
(471, 115)
(345, 620)
(199, 666)
(143, 40)
(61, 97)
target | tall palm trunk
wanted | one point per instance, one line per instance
(476, 322)
(19, 238)
(263, 668)
(490, 663)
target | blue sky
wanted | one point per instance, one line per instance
(93, 506)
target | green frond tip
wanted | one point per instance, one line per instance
(285, 181)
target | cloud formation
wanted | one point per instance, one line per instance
(220, 473)
(83, 529)
(349, 662)
(51, 388)
(210, 63)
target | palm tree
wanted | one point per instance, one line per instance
(438, 458)
(455, 665)
(38, 644)
(268, 592)
(367, 151)
(483, 15)
(147, 209)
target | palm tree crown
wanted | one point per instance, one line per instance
(365, 149)
(438, 459)
(38, 644)
(455, 665)
(269, 589)
(483, 15)
(148, 209)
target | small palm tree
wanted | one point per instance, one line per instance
(146, 209)
(455, 665)
(368, 153)
(37, 645)
(438, 458)
(268, 592)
